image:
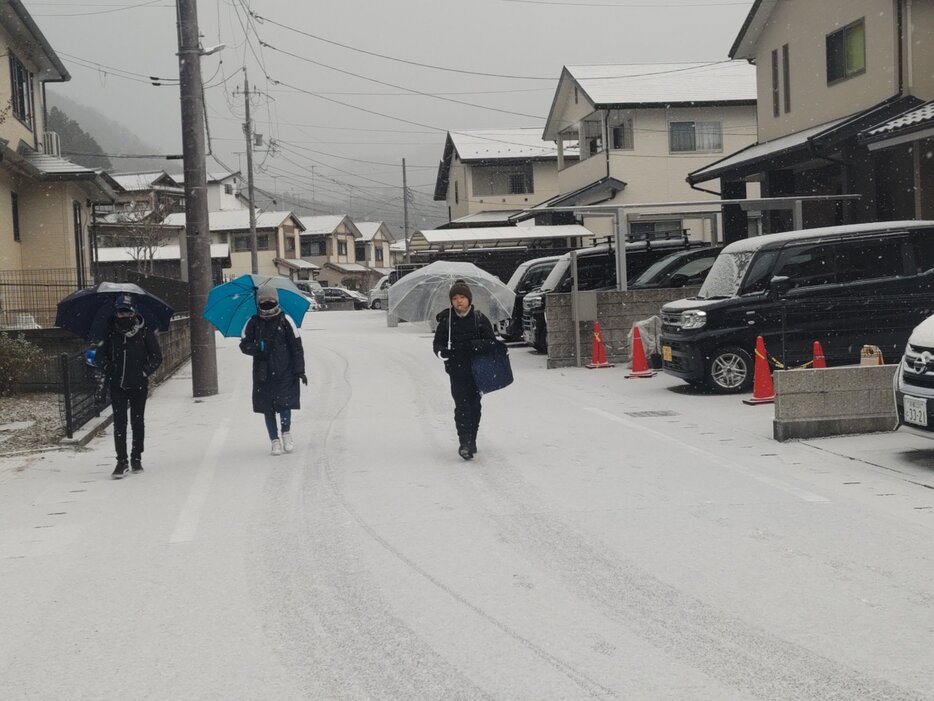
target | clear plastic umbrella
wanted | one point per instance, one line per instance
(421, 294)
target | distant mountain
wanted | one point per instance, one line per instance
(113, 137)
(80, 146)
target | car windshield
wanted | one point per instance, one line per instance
(556, 274)
(655, 269)
(725, 275)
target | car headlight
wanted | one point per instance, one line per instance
(693, 319)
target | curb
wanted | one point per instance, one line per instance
(88, 431)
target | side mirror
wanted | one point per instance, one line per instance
(780, 285)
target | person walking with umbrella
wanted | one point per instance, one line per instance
(128, 355)
(463, 332)
(273, 339)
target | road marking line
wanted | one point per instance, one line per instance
(187, 524)
(778, 484)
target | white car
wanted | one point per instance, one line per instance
(914, 381)
(378, 296)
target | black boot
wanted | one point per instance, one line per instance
(120, 469)
(136, 465)
(464, 451)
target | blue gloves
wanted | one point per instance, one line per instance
(261, 345)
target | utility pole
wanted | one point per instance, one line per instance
(197, 230)
(248, 130)
(405, 213)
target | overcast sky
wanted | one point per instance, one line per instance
(130, 40)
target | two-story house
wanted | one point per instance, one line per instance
(496, 169)
(838, 85)
(45, 200)
(373, 248)
(277, 240)
(639, 130)
(224, 191)
(145, 200)
(330, 242)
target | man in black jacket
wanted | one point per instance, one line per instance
(129, 354)
(462, 332)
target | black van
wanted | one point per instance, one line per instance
(527, 277)
(596, 270)
(845, 286)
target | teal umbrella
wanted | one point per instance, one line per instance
(231, 304)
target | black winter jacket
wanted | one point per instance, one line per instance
(470, 334)
(128, 359)
(278, 361)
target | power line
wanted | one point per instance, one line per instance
(119, 8)
(348, 158)
(393, 58)
(393, 85)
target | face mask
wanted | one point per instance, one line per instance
(268, 308)
(125, 323)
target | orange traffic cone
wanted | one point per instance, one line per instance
(598, 356)
(819, 361)
(763, 392)
(640, 366)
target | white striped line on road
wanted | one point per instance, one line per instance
(187, 524)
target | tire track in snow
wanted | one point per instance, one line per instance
(585, 683)
(328, 620)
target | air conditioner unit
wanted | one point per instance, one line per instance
(51, 144)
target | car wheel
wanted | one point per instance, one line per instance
(729, 370)
(377, 304)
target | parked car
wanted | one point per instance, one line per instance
(315, 289)
(336, 295)
(845, 286)
(914, 381)
(378, 296)
(682, 269)
(596, 270)
(528, 276)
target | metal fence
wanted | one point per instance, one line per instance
(81, 398)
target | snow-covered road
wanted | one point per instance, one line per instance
(613, 538)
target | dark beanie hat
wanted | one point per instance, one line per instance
(460, 288)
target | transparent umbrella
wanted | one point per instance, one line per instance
(421, 294)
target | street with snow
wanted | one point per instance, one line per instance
(613, 538)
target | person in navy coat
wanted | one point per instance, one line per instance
(463, 332)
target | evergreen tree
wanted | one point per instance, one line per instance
(77, 141)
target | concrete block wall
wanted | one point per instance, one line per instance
(834, 401)
(616, 311)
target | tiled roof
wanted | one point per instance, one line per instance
(914, 118)
(234, 220)
(504, 144)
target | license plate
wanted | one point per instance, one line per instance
(916, 411)
(666, 353)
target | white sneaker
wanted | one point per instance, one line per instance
(276, 447)
(287, 443)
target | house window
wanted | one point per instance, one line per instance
(228, 189)
(846, 52)
(14, 211)
(503, 180)
(786, 78)
(518, 184)
(311, 248)
(457, 194)
(289, 244)
(622, 136)
(591, 136)
(360, 251)
(776, 97)
(342, 248)
(655, 230)
(686, 137)
(378, 254)
(21, 99)
(241, 243)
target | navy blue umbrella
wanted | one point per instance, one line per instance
(86, 312)
(231, 305)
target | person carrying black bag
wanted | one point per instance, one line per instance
(128, 355)
(463, 332)
(274, 341)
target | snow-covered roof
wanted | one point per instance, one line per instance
(348, 267)
(298, 264)
(756, 242)
(121, 255)
(369, 228)
(494, 234)
(917, 117)
(217, 177)
(132, 182)
(764, 150)
(325, 224)
(503, 144)
(666, 83)
(487, 217)
(235, 219)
